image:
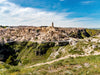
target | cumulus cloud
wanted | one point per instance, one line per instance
(12, 14)
(2, 1)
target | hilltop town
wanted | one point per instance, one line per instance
(40, 34)
(23, 47)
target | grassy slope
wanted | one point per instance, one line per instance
(25, 52)
(93, 32)
(78, 66)
(85, 33)
(72, 66)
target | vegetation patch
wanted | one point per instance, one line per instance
(76, 51)
(74, 66)
(92, 32)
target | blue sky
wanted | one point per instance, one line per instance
(64, 13)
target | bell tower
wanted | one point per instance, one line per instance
(52, 24)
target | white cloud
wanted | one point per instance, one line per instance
(12, 14)
(2, 1)
(87, 2)
(61, 0)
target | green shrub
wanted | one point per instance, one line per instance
(25, 61)
(59, 55)
(43, 72)
(9, 60)
(97, 48)
(14, 69)
(7, 66)
(42, 48)
(76, 51)
(36, 38)
(1, 66)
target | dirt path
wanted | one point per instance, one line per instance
(50, 62)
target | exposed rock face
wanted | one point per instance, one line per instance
(39, 34)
